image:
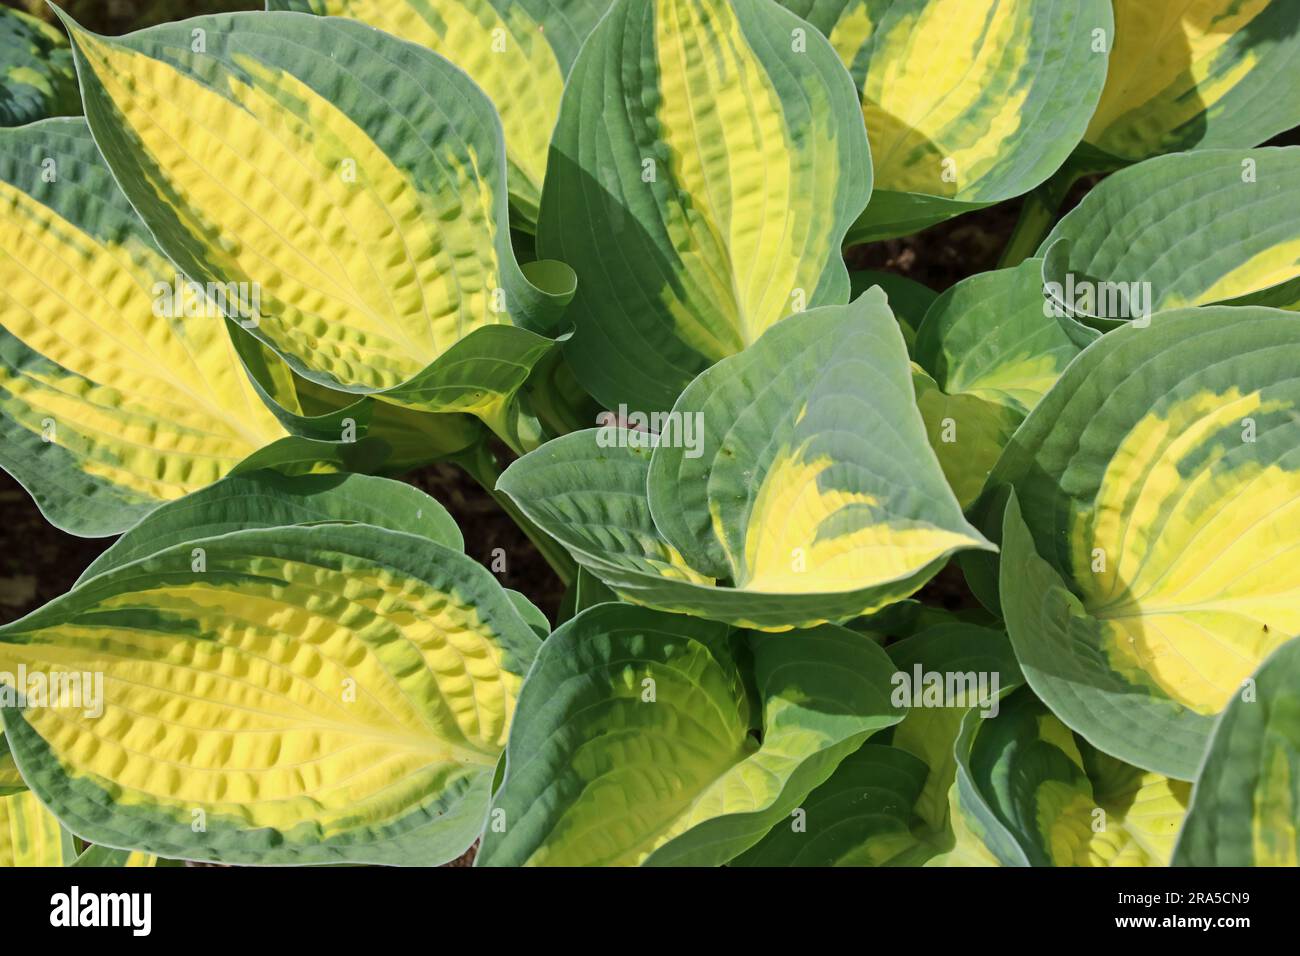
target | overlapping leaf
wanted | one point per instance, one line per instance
(1246, 807)
(294, 694)
(797, 471)
(1190, 229)
(967, 668)
(518, 51)
(898, 805)
(1063, 804)
(356, 181)
(107, 407)
(1188, 74)
(810, 478)
(269, 499)
(30, 835)
(1147, 565)
(37, 78)
(707, 162)
(979, 837)
(967, 102)
(989, 352)
(861, 816)
(645, 738)
(1144, 812)
(103, 856)
(11, 780)
(909, 300)
(400, 438)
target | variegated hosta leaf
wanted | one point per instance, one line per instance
(588, 491)
(811, 476)
(1246, 806)
(797, 471)
(1190, 229)
(11, 780)
(979, 837)
(1038, 781)
(379, 434)
(949, 670)
(967, 102)
(37, 78)
(518, 51)
(707, 162)
(861, 816)
(953, 822)
(108, 405)
(890, 806)
(989, 352)
(355, 181)
(1143, 812)
(409, 438)
(642, 738)
(268, 499)
(414, 438)
(296, 455)
(279, 695)
(1149, 564)
(30, 835)
(1190, 74)
(966, 432)
(103, 856)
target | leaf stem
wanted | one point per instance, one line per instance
(483, 467)
(1038, 215)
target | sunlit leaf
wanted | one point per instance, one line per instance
(1147, 564)
(640, 738)
(707, 162)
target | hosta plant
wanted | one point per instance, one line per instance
(859, 572)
